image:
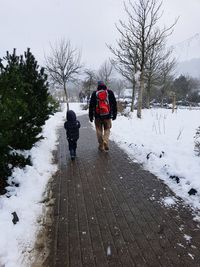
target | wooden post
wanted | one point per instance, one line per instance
(173, 102)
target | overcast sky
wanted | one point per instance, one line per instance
(89, 24)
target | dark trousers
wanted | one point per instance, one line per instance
(72, 144)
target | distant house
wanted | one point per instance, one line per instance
(127, 93)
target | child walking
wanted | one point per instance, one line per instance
(72, 126)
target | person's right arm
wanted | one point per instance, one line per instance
(92, 106)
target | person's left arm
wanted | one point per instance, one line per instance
(78, 124)
(113, 105)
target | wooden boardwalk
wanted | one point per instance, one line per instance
(108, 212)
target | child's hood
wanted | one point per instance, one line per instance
(71, 115)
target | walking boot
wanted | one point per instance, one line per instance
(106, 147)
(101, 147)
(72, 154)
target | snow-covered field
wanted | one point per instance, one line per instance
(164, 144)
(161, 141)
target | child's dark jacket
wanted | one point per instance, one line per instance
(72, 126)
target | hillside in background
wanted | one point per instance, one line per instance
(187, 54)
(190, 67)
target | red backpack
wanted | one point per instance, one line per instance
(102, 107)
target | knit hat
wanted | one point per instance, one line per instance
(71, 115)
(101, 83)
(101, 86)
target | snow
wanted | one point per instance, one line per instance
(192, 256)
(187, 238)
(161, 141)
(109, 251)
(169, 201)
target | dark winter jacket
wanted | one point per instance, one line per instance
(112, 103)
(72, 126)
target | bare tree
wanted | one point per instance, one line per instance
(118, 86)
(141, 33)
(90, 81)
(63, 65)
(166, 78)
(125, 61)
(128, 72)
(159, 66)
(105, 72)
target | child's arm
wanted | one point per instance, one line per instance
(65, 125)
(78, 124)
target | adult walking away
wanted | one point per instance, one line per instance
(102, 108)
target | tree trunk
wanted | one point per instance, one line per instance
(133, 97)
(173, 102)
(148, 92)
(140, 96)
(162, 101)
(148, 96)
(66, 95)
(162, 96)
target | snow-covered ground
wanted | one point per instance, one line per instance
(164, 144)
(161, 141)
